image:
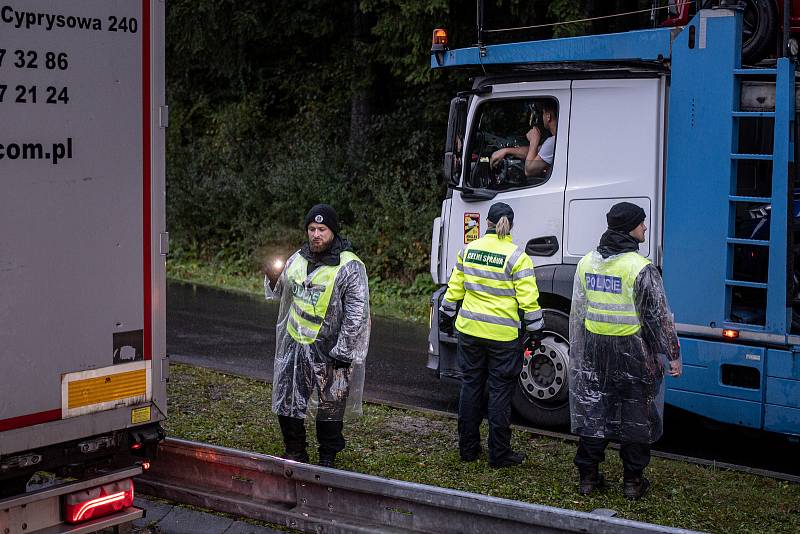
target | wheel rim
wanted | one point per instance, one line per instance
(750, 23)
(544, 373)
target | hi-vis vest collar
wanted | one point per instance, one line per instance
(610, 302)
(311, 296)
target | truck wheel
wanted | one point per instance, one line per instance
(758, 29)
(542, 393)
(759, 24)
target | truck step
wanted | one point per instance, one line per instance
(742, 283)
(755, 72)
(767, 157)
(759, 200)
(742, 241)
(754, 114)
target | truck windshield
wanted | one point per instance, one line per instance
(500, 151)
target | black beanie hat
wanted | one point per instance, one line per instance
(323, 214)
(498, 210)
(624, 217)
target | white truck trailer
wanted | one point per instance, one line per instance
(83, 367)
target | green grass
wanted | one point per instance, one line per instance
(235, 412)
(388, 298)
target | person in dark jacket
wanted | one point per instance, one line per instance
(622, 338)
(322, 337)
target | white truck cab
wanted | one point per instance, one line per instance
(609, 146)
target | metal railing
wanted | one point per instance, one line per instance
(317, 499)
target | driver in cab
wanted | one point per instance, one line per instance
(538, 159)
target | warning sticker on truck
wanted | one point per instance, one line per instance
(472, 227)
(140, 415)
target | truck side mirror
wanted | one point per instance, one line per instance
(454, 147)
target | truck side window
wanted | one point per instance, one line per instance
(501, 152)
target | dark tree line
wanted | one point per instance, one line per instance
(280, 105)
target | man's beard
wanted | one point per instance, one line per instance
(321, 247)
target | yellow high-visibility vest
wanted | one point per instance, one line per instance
(495, 279)
(608, 284)
(311, 296)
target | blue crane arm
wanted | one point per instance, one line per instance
(640, 45)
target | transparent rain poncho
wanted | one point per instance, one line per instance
(617, 382)
(309, 379)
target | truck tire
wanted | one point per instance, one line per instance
(542, 393)
(759, 26)
(758, 29)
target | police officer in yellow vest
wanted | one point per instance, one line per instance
(495, 283)
(322, 337)
(622, 339)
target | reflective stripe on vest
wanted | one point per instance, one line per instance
(608, 284)
(311, 296)
(490, 309)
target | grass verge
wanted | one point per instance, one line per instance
(388, 298)
(235, 412)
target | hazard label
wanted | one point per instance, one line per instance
(140, 415)
(472, 227)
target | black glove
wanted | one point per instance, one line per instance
(446, 323)
(535, 338)
(341, 364)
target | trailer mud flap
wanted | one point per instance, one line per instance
(96, 390)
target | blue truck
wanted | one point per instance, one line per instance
(669, 119)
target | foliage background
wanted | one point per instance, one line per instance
(276, 106)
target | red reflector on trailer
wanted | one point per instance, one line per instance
(730, 334)
(98, 502)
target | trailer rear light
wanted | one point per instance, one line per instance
(730, 334)
(98, 502)
(141, 441)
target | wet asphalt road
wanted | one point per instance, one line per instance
(236, 333)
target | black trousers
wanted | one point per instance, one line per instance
(329, 436)
(592, 451)
(498, 363)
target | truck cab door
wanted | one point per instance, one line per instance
(501, 120)
(616, 154)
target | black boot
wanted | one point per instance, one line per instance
(294, 438)
(591, 480)
(515, 458)
(470, 455)
(635, 487)
(327, 460)
(331, 441)
(296, 456)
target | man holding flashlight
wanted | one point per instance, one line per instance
(322, 337)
